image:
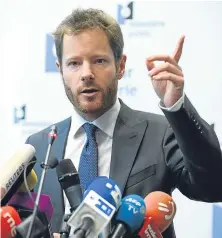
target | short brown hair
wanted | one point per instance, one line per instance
(81, 19)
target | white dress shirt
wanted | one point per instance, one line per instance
(104, 138)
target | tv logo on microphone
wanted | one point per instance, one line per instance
(115, 193)
(150, 233)
(134, 210)
(164, 208)
(50, 58)
(125, 12)
(15, 176)
(19, 113)
(98, 203)
(10, 221)
(132, 200)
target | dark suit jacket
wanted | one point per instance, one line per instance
(147, 156)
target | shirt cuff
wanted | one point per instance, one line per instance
(175, 107)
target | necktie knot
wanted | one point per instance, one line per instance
(90, 130)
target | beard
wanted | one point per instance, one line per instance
(107, 98)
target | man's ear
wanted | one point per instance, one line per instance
(121, 67)
(59, 66)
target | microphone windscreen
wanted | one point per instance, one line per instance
(32, 180)
(106, 188)
(53, 162)
(161, 207)
(9, 220)
(12, 173)
(22, 200)
(131, 212)
(65, 167)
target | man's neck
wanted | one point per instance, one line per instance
(93, 116)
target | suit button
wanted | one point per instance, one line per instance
(199, 127)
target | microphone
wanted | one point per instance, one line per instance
(106, 188)
(30, 182)
(160, 211)
(23, 202)
(41, 228)
(32, 179)
(25, 205)
(12, 177)
(101, 200)
(45, 166)
(129, 217)
(161, 207)
(149, 229)
(9, 220)
(65, 228)
(70, 183)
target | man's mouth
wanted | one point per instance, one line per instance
(89, 91)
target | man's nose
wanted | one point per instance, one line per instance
(87, 73)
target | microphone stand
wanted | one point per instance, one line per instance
(45, 166)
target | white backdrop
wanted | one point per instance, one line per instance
(32, 95)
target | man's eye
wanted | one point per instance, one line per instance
(73, 63)
(100, 61)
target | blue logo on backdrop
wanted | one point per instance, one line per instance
(217, 217)
(50, 59)
(20, 119)
(19, 113)
(124, 12)
(145, 28)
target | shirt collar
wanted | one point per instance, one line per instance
(105, 122)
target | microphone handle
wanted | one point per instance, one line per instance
(119, 231)
(65, 228)
(80, 234)
(64, 235)
(86, 225)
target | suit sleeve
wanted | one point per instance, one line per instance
(193, 156)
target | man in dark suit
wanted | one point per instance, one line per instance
(142, 152)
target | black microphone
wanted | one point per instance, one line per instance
(69, 180)
(70, 183)
(65, 228)
(41, 227)
(30, 221)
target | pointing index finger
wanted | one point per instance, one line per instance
(178, 51)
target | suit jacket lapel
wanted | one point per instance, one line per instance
(128, 134)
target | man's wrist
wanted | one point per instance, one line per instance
(175, 107)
